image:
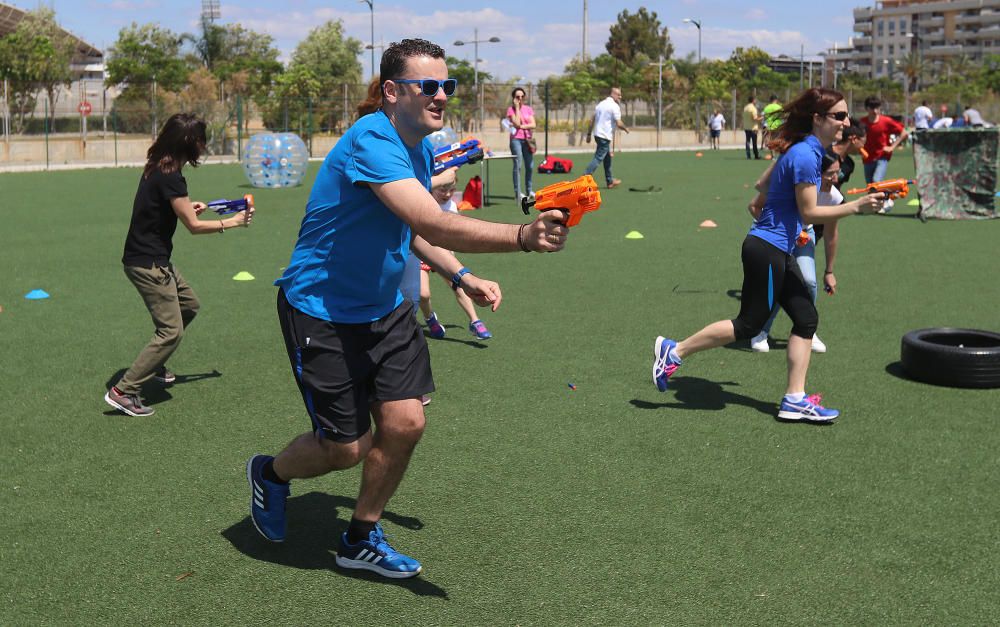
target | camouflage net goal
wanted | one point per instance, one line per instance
(957, 172)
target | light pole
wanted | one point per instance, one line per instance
(475, 41)
(659, 100)
(380, 47)
(697, 106)
(697, 24)
(371, 8)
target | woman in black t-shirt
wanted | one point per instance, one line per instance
(160, 201)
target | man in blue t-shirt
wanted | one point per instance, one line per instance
(355, 348)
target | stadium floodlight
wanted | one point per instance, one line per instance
(210, 10)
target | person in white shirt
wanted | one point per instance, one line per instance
(922, 116)
(944, 122)
(716, 122)
(973, 118)
(607, 118)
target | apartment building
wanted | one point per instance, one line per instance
(935, 30)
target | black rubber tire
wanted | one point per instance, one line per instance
(964, 358)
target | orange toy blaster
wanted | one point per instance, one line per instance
(896, 188)
(573, 197)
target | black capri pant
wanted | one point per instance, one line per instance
(771, 277)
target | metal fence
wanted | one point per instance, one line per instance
(94, 124)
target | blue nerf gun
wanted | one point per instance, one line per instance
(225, 207)
(469, 150)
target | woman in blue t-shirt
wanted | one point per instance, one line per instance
(811, 122)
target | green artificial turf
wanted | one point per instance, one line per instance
(528, 502)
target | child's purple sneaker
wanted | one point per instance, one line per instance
(434, 327)
(477, 328)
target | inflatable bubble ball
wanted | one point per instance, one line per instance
(275, 160)
(445, 137)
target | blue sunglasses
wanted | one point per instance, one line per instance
(430, 86)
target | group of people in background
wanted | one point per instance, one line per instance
(923, 118)
(768, 120)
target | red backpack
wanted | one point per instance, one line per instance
(555, 165)
(472, 197)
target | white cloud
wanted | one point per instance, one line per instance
(718, 43)
(528, 51)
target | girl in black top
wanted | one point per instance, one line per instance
(160, 201)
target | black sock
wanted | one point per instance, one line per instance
(358, 530)
(267, 471)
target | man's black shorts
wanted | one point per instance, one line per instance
(341, 369)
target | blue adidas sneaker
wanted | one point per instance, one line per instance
(807, 410)
(376, 555)
(663, 366)
(267, 500)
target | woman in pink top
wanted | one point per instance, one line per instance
(522, 121)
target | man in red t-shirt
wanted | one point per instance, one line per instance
(877, 145)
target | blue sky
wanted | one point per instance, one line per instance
(537, 37)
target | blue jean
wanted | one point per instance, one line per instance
(875, 171)
(602, 154)
(805, 256)
(751, 137)
(519, 148)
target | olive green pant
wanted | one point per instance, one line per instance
(173, 305)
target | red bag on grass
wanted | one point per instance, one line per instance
(555, 165)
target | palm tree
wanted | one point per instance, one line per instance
(914, 68)
(958, 68)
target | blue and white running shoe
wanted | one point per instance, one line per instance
(267, 501)
(807, 410)
(376, 555)
(663, 366)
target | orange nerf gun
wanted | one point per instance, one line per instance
(896, 188)
(575, 198)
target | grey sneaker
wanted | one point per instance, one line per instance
(164, 375)
(131, 404)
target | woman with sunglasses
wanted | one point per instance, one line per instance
(811, 122)
(805, 245)
(522, 120)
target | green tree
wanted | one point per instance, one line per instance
(295, 102)
(200, 95)
(228, 49)
(580, 85)
(462, 106)
(633, 41)
(21, 56)
(329, 59)
(748, 72)
(245, 62)
(914, 68)
(145, 61)
(332, 58)
(146, 53)
(990, 75)
(53, 69)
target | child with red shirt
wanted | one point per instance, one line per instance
(877, 145)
